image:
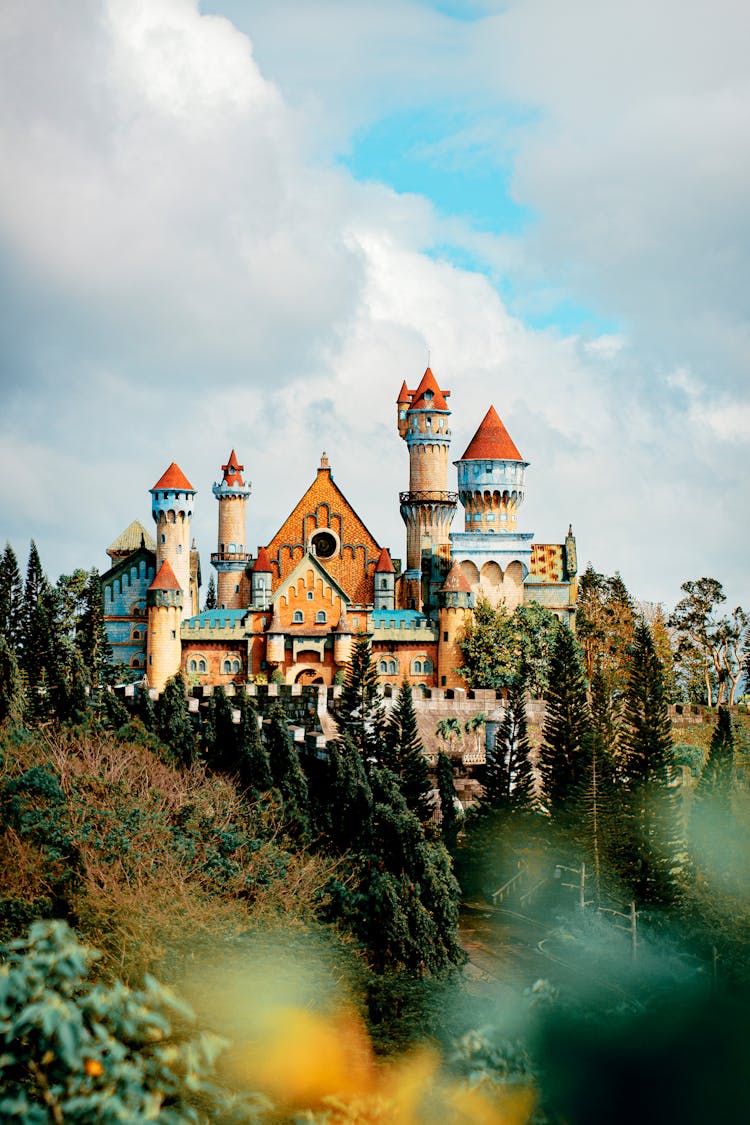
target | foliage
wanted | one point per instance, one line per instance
(450, 820)
(359, 713)
(563, 757)
(605, 624)
(717, 643)
(536, 630)
(73, 1049)
(11, 686)
(286, 770)
(11, 600)
(210, 602)
(404, 753)
(173, 724)
(488, 647)
(507, 779)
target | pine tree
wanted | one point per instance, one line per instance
(717, 779)
(405, 754)
(114, 712)
(508, 780)
(360, 711)
(652, 806)
(601, 802)
(450, 820)
(219, 733)
(11, 686)
(144, 707)
(173, 724)
(350, 800)
(252, 760)
(36, 628)
(286, 771)
(210, 602)
(11, 600)
(91, 637)
(564, 751)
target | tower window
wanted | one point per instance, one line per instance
(237, 589)
(320, 617)
(179, 548)
(163, 538)
(232, 549)
(298, 617)
(310, 595)
(174, 634)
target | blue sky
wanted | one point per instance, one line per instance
(242, 225)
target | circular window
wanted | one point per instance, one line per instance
(324, 544)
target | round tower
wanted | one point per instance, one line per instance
(428, 507)
(275, 640)
(172, 500)
(456, 604)
(342, 641)
(164, 604)
(260, 581)
(385, 582)
(230, 558)
(491, 478)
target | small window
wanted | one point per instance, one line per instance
(417, 668)
(298, 617)
(427, 667)
(201, 666)
(392, 667)
(237, 588)
(383, 668)
(442, 681)
(232, 548)
(192, 666)
(310, 595)
(445, 636)
(236, 666)
(179, 548)
(226, 667)
(174, 634)
(136, 634)
(320, 617)
(383, 583)
(163, 538)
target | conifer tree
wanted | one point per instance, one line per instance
(91, 637)
(219, 732)
(450, 820)
(252, 760)
(360, 711)
(286, 771)
(601, 804)
(405, 753)
(652, 807)
(11, 599)
(173, 724)
(508, 780)
(11, 687)
(350, 800)
(37, 623)
(114, 712)
(717, 778)
(144, 707)
(210, 602)
(564, 751)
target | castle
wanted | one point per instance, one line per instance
(323, 580)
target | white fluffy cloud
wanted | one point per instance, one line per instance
(185, 269)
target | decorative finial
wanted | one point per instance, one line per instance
(570, 530)
(324, 460)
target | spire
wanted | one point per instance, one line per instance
(324, 462)
(456, 581)
(233, 472)
(262, 564)
(384, 564)
(428, 395)
(491, 442)
(165, 579)
(173, 480)
(404, 395)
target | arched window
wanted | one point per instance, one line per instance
(163, 538)
(427, 667)
(298, 617)
(416, 668)
(383, 583)
(179, 548)
(236, 666)
(320, 617)
(310, 595)
(136, 635)
(226, 667)
(392, 667)
(383, 667)
(192, 666)
(201, 666)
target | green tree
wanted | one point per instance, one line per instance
(76, 1050)
(173, 723)
(508, 779)
(716, 641)
(450, 820)
(601, 803)
(11, 685)
(605, 624)
(652, 806)
(360, 711)
(286, 771)
(536, 628)
(563, 757)
(90, 635)
(252, 761)
(405, 753)
(210, 602)
(449, 730)
(11, 600)
(489, 647)
(349, 805)
(716, 783)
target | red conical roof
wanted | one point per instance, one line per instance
(165, 579)
(174, 480)
(436, 402)
(491, 442)
(262, 564)
(456, 581)
(404, 395)
(233, 471)
(384, 565)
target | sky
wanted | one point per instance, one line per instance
(242, 223)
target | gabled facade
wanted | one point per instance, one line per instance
(291, 612)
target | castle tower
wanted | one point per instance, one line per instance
(428, 507)
(230, 558)
(491, 478)
(385, 582)
(275, 640)
(260, 581)
(164, 604)
(456, 604)
(172, 508)
(342, 641)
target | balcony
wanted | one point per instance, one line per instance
(428, 498)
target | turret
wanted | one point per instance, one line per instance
(342, 641)
(385, 582)
(275, 640)
(164, 604)
(260, 581)
(172, 500)
(491, 478)
(456, 603)
(428, 507)
(230, 558)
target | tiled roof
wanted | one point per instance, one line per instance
(233, 471)
(491, 442)
(455, 581)
(428, 384)
(262, 564)
(174, 480)
(546, 562)
(165, 578)
(134, 536)
(404, 395)
(385, 566)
